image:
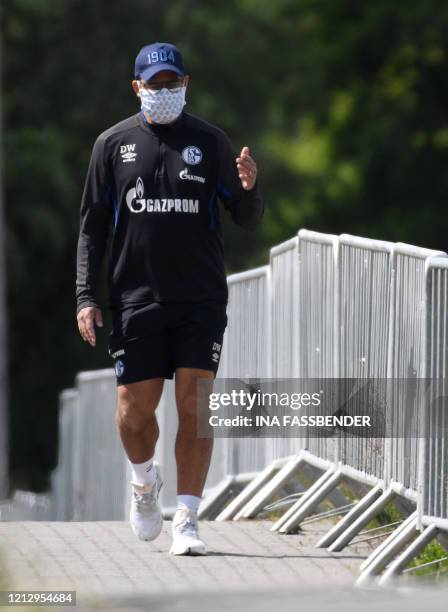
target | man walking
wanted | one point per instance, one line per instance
(153, 184)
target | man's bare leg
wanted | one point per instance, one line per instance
(137, 425)
(136, 419)
(193, 454)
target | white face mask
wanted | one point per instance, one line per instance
(163, 106)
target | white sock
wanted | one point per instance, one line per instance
(189, 501)
(143, 473)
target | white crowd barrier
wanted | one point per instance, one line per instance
(407, 358)
(433, 458)
(364, 269)
(317, 311)
(27, 506)
(325, 307)
(63, 484)
(284, 307)
(248, 330)
(284, 328)
(99, 467)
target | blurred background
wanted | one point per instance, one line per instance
(344, 105)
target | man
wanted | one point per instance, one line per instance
(155, 178)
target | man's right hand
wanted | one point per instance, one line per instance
(87, 318)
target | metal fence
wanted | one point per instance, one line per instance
(407, 358)
(364, 271)
(101, 491)
(248, 332)
(433, 464)
(318, 307)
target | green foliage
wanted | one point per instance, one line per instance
(432, 552)
(344, 105)
(389, 514)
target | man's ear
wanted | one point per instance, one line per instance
(135, 87)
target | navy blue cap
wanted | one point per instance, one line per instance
(157, 57)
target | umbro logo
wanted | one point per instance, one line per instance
(216, 349)
(128, 153)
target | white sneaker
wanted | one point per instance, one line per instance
(185, 534)
(146, 515)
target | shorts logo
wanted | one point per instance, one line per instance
(118, 353)
(119, 368)
(192, 155)
(216, 348)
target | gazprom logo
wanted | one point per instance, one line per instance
(186, 176)
(137, 203)
(139, 188)
(133, 204)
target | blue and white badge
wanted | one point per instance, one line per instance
(119, 368)
(192, 155)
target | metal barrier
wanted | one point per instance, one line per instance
(317, 297)
(98, 492)
(364, 283)
(344, 293)
(364, 272)
(433, 459)
(406, 358)
(245, 355)
(284, 357)
(246, 350)
(248, 330)
(27, 506)
(285, 315)
(62, 484)
(420, 463)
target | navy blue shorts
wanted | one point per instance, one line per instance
(151, 341)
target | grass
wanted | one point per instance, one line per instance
(432, 552)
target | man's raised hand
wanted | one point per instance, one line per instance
(247, 169)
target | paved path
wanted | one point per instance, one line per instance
(249, 568)
(105, 557)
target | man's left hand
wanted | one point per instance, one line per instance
(247, 169)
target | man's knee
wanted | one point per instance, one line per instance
(191, 395)
(187, 406)
(131, 414)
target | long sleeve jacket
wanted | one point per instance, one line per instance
(154, 190)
